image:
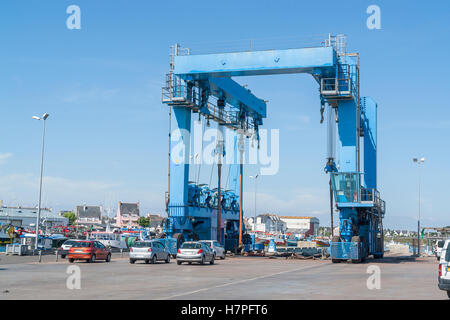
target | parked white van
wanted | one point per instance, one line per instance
(438, 249)
(444, 268)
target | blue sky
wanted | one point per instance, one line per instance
(107, 133)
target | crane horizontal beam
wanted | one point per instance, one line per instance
(237, 96)
(320, 61)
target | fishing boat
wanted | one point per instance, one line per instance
(109, 239)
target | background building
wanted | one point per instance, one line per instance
(156, 221)
(89, 215)
(127, 214)
(268, 223)
(26, 217)
(309, 226)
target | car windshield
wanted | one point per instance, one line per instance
(142, 244)
(69, 243)
(191, 245)
(81, 244)
(208, 243)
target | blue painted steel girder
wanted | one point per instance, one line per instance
(237, 96)
(348, 137)
(369, 124)
(320, 60)
(218, 68)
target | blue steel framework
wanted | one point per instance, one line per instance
(203, 84)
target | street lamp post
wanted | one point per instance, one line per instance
(254, 219)
(43, 118)
(419, 162)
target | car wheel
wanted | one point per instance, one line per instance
(132, 261)
(336, 260)
(178, 262)
(147, 261)
(154, 259)
(448, 294)
(189, 262)
(92, 260)
(108, 257)
(168, 258)
(71, 260)
(203, 260)
(63, 256)
(213, 259)
(222, 257)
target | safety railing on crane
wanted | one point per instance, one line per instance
(176, 92)
(345, 250)
(373, 196)
(341, 86)
(348, 189)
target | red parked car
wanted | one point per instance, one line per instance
(89, 251)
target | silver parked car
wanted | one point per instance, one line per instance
(195, 251)
(149, 251)
(215, 246)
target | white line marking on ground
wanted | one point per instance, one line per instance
(237, 282)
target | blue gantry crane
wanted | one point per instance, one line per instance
(203, 84)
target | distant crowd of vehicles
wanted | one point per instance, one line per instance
(149, 251)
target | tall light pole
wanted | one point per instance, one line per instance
(38, 218)
(419, 162)
(254, 220)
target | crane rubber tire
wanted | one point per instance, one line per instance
(336, 239)
(180, 239)
(356, 239)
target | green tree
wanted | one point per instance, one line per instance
(143, 222)
(71, 216)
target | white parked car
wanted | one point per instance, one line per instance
(216, 247)
(444, 268)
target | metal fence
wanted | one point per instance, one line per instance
(344, 250)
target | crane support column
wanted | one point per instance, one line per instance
(179, 175)
(369, 122)
(347, 132)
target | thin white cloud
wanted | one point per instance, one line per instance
(300, 201)
(5, 156)
(63, 193)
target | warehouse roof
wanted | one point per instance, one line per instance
(19, 212)
(296, 217)
(89, 212)
(131, 209)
